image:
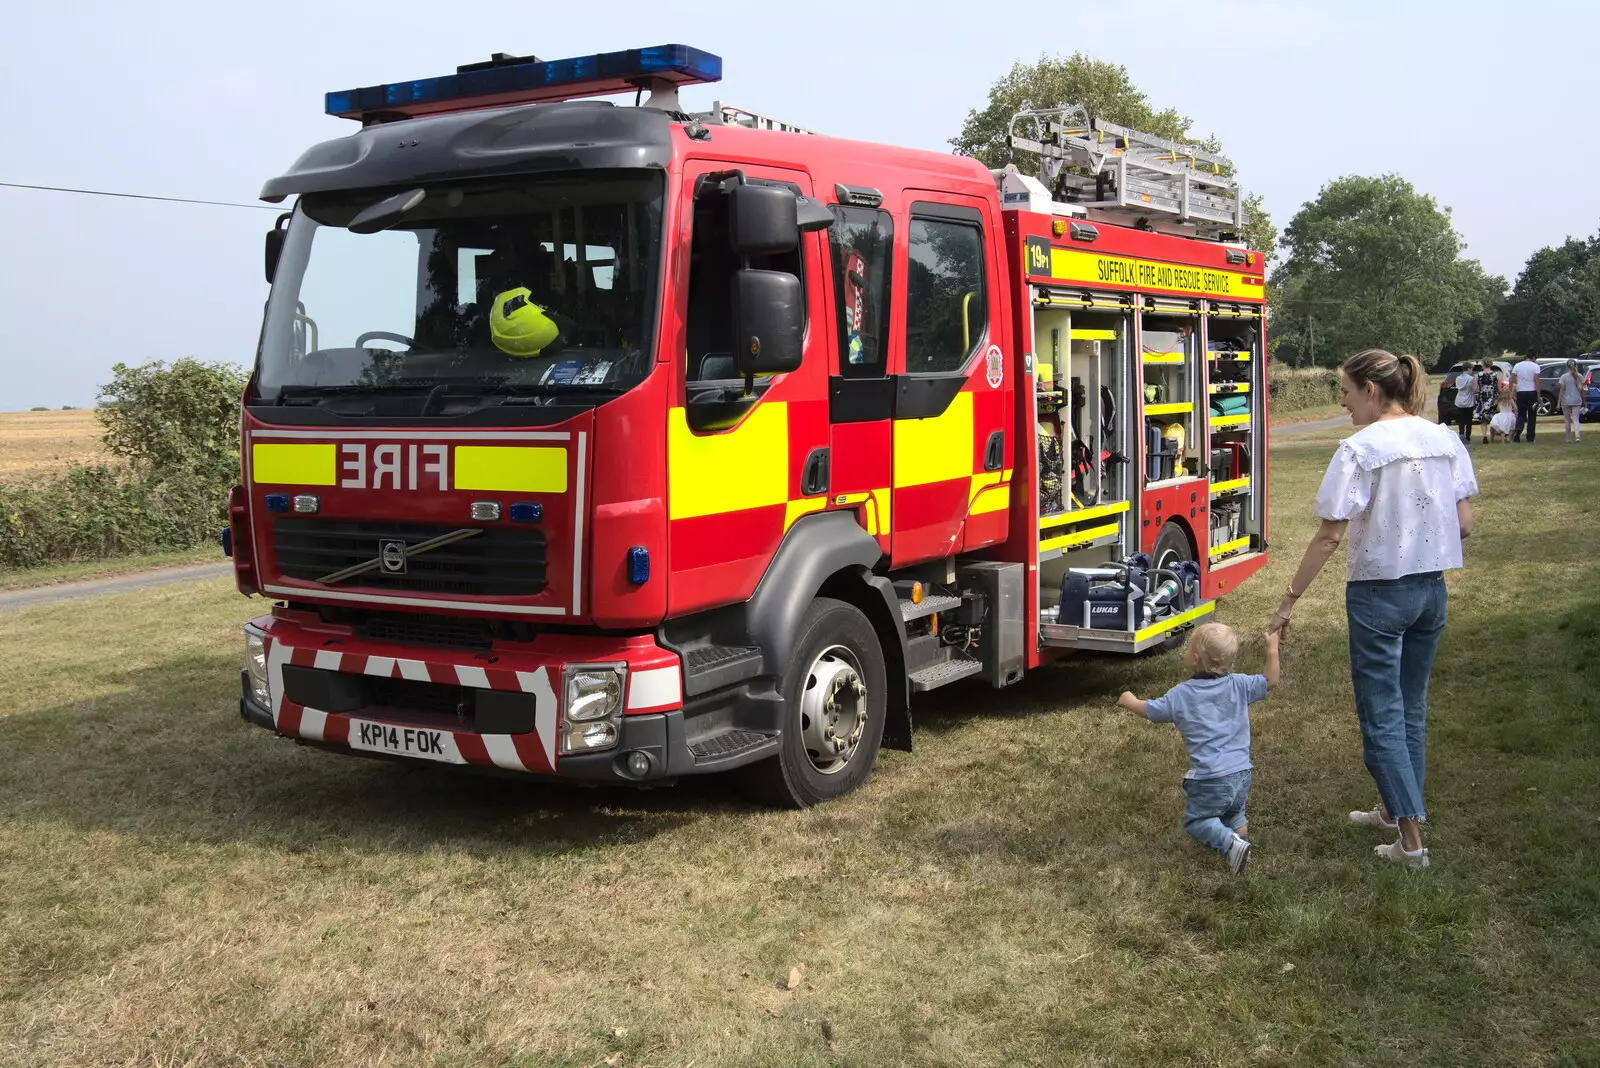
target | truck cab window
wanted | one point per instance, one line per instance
(946, 298)
(862, 241)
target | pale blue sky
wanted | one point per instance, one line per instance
(1473, 102)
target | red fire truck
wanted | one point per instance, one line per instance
(618, 444)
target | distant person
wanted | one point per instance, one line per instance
(1446, 401)
(1401, 487)
(1525, 380)
(1212, 712)
(1569, 390)
(1488, 397)
(1466, 402)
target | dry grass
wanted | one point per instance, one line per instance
(34, 444)
(179, 889)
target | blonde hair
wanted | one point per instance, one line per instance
(1399, 379)
(1215, 647)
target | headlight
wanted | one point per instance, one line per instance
(593, 695)
(592, 707)
(255, 647)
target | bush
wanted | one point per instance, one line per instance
(1293, 389)
(177, 429)
(97, 512)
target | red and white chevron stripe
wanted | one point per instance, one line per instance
(654, 684)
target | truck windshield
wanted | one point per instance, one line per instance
(410, 307)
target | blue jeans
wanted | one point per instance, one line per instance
(1216, 808)
(1394, 633)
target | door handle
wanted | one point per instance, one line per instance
(815, 478)
(994, 453)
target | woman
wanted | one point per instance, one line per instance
(1488, 396)
(1570, 390)
(1400, 486)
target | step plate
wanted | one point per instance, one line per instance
(930, 604)
(728, 743)
(931, 678)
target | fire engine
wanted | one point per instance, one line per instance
(603, 441)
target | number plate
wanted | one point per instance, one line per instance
(417, 742)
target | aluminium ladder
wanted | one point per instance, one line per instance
(1098, 164)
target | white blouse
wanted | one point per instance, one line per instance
(1397, 481)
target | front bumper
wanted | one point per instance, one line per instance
(509, 716)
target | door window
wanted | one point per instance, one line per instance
(946, 300)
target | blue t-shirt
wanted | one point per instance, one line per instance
(1213, 715)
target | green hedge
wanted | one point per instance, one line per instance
(1294, 389)
(92, 513)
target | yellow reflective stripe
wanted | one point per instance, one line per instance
(514, 468)
(1229, 546)
(1073, 538)
(1175, 621)
(1231, 387)
(1169, 409)
(1094, 335)
(878, 511)
(804, 506)
(746, 467)
(990, 492)
(1230, 420)
(1083, 515)
(937, 449)
(1230, 486)
(1163, 357)
(1074, 265)
(294, 465)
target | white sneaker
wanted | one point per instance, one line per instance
(1237, 854)
(1394, 852)
(1373, 819)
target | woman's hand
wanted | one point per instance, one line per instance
(1283, 617)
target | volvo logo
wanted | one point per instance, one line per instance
(392, 557)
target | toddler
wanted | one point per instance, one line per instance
(1212, 713)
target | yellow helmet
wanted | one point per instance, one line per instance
(1173, 432)
(518, 325)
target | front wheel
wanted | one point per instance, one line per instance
(1171, 547)
(835, 696)
(1547, 405)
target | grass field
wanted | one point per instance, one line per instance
(43, 443)
(179, 889)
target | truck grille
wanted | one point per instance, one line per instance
(499, 561)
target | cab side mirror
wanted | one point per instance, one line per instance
(762, 220)
(275, 239)
(768, 321)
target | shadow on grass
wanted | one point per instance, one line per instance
(166, 755)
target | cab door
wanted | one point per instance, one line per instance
(860, 386)
(951, 453)
(742, 464)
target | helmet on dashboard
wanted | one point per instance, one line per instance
(518, 326)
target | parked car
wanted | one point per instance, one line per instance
(1549, 389)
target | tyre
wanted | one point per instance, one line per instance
(1547, 404)
(835, 696)
(1172, 546)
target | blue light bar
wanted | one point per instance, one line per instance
(510, 80)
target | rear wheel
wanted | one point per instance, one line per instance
(1172, 546)
(835, 695)
(1547, 404)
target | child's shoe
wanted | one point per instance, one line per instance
(1237, 854)
(1399, 855)
(1373, 819)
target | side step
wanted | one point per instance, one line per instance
(943, 673)
(712, 667)
(910, 610)
(730, 744)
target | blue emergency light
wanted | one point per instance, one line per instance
(506, 80)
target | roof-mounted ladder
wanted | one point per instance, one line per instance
(723, 114)
(1117, 171)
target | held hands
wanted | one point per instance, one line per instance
(1279, 628)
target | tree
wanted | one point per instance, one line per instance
(1555, 308)
(1372, 263)
(1479, 337)
(179, 419)
(1108, 93)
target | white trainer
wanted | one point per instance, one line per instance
(1237, 854)
(1397, 854)
(1373, 819)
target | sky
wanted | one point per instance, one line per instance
(1477, 104)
